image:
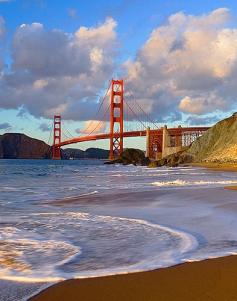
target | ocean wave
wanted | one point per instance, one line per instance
(8, 189)
(21, 259)
(157, 174)
(192, 183)
(55, 246)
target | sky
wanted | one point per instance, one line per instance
(178, 60)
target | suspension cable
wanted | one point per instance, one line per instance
(101, 104)
(67, 134)
(135, 114)
(100, 121)
(149, 119)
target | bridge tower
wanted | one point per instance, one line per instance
(116, 118)
(56, 151)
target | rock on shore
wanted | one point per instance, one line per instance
(131, 156)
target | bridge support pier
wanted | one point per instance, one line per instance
(171, 143)
(56, 150)
(153, 144)
(116, 118)
(148, 132)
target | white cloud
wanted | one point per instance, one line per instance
(98, 35)
(56, 72)
(94, 126)
(201, 104)
(186, 65)
(40, 84)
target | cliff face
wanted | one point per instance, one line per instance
(20, 146)
(218, 144)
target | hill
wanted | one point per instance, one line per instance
(218, 144)
(21, 146)
(90, 153)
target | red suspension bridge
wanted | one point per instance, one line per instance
(160, 142)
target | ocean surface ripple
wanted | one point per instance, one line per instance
(111, 219)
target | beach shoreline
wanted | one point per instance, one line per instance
(210, 279)
(162, 206)
(217, 166)
(232, 167)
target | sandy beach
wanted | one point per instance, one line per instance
(213, 279)
(231, 188)
(217, 166)
(199, 216)
(220, 167)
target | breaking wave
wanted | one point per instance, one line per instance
(192, 183)
(77, 245)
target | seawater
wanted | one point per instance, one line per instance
(41, 241)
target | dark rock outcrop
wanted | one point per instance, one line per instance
(20, 146)
(173, 160)
(131, 156)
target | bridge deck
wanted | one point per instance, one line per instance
(172, 131)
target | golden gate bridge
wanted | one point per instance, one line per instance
(160, 142)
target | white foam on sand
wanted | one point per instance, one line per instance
(26, 267)
(177, 183)
(28, 277)
(161, 260)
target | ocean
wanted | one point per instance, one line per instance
(81, 218)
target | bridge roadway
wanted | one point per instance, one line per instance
(172, 132)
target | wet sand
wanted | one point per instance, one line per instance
(213, 280)
(220, 167)
(217, 166)
(231, 187)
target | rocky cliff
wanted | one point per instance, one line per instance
(218, 144)
(20, 146)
